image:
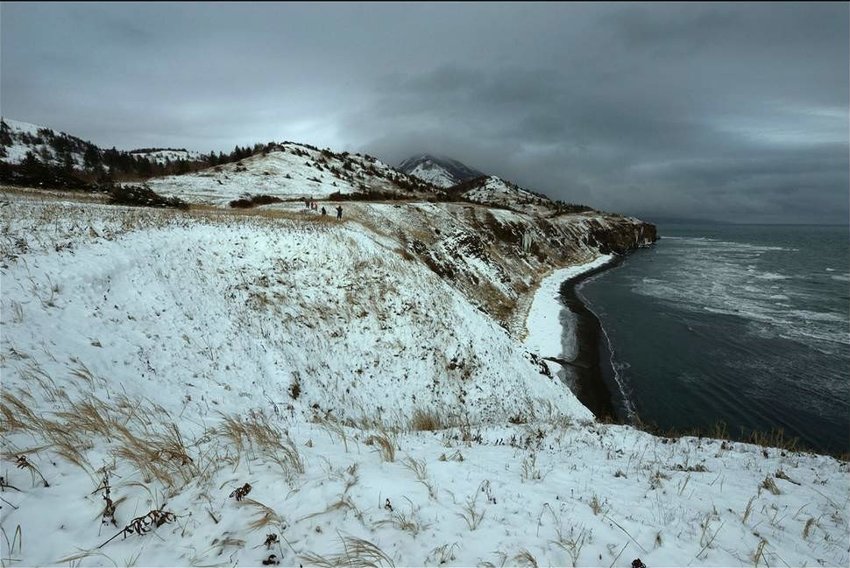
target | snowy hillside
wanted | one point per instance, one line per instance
(290, 171)
(438, 171)
(220, 388)
(49, 146)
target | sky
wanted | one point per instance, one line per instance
(728, 111)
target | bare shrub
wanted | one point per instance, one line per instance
(426, 421)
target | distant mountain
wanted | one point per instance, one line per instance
(164, 155)
(439, 171)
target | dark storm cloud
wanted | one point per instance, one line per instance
(715, 110)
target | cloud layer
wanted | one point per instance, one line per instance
(732, 111)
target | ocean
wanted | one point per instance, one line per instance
(745, 325)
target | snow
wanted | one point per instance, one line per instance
(545, 334)
(161, 349)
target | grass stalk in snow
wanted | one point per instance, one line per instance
(344, 503)
(442, 554)
(525, 558)
(17, 539)
(16, 415)
(403, 521)
(748, 510)
(759, 553)
(471, 514)
(333, 428)
(257, 432)
(571, 544)
(419, 470)
(770, 485)
(529, 468)
(265, 517)
(357, 553)
(386, 444)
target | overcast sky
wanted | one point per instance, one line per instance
(725, 111)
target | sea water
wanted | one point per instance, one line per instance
(746, 325)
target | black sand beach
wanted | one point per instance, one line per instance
(595, 385)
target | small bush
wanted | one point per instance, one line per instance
(142, 195)
(253, 201)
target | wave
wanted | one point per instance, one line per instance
(733, 245)
(730, 278)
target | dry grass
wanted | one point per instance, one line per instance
(356, 553)
(385, 443)
(426, 421)
(160, 455)
(808, 528)
(265, 516)
(525, 558)
(344, 503)
(16, 415)
(571, 544)
(405, 522)
(471, 514)
(420, 471)
(748, 510)
(759, 553)
(770, 485)
(442, 555)
(257, 433)
(333, 428)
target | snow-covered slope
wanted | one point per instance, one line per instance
(211, 388)
(291, 171)
(49, 146)
(439, 171)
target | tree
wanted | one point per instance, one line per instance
(91, 158)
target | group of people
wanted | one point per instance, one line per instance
(313, 206)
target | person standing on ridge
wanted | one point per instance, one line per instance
(339, 211)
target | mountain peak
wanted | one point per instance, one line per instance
(440, 171)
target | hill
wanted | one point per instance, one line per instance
(295, 172)
(439, 171)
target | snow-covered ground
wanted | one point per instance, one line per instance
(213, 388)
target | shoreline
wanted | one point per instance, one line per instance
(594, 375)
(575, 340)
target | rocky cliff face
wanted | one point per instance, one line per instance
(479, 250)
